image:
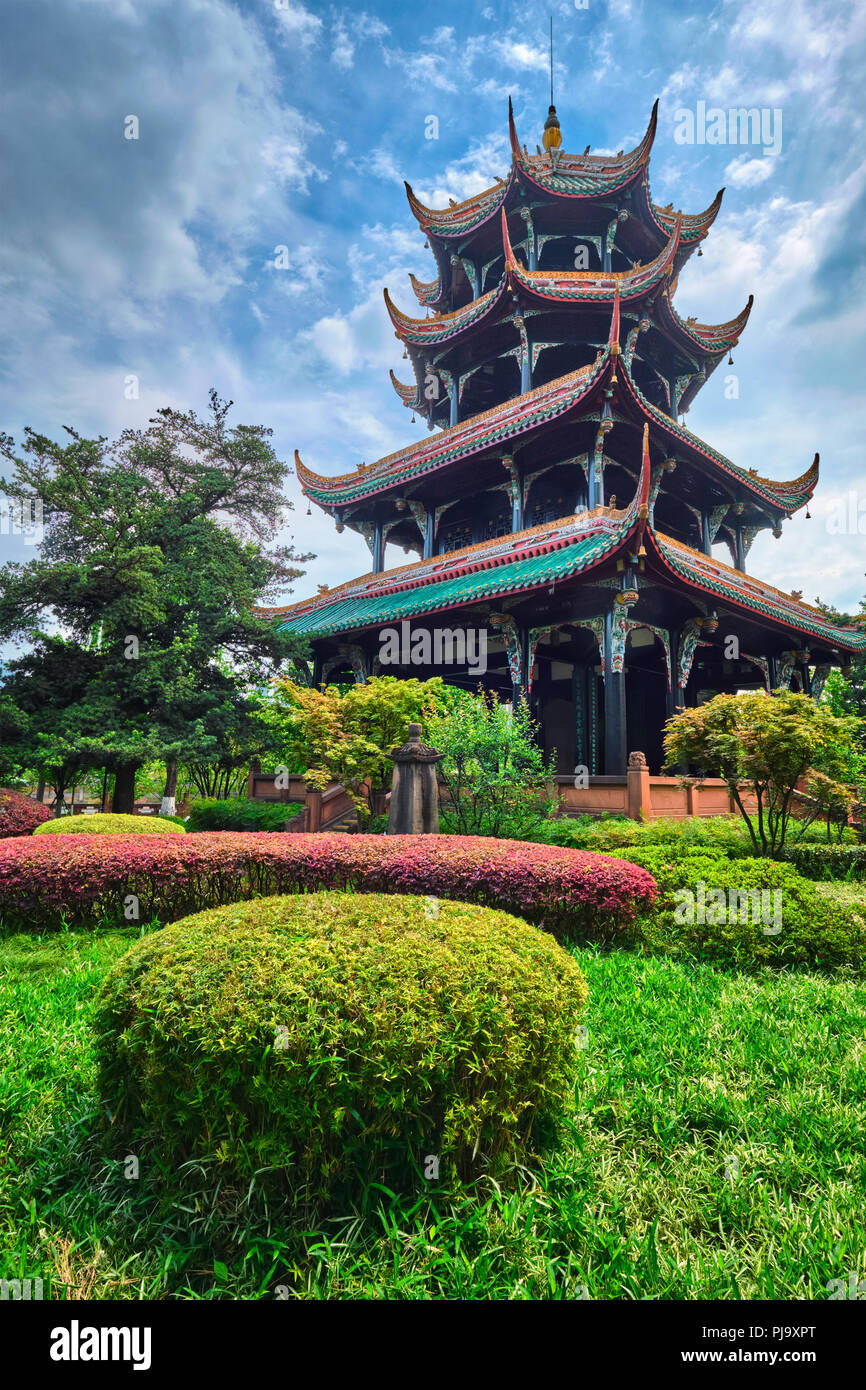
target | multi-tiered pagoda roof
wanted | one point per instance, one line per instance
(554, 373)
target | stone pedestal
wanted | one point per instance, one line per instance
(414, 788)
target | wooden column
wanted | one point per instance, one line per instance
(378, 548)
(615, 753)
(706, 547)
(673, 689)
(313, 801)
(581, 749)
(526, 371)
(428, 532)
(740, 547)
(516, 492)
(520, 690)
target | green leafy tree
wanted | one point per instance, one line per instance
(496, 777)
(763, 746)
(346, 736)
(157, 550)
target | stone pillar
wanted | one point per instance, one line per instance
(414, 788)
(639, 803)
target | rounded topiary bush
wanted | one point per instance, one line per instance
(106, 823)
(334, 1036)
(19, 814)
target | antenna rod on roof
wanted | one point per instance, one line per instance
(551, 60)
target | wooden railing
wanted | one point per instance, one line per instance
(320, 810)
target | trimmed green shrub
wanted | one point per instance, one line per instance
(107, 823)
(333, 1035)
(236, 813)
(800, 926)
(847, 898)
(827, 862)
(607, 834)
(725, 833)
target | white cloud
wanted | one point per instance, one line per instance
(296, 23)
(369, 27)
(522, 55)
(472, 173)
(363, 337)
(304, 273)
(422, 69)
(745, 172)
(343, 50)
(284, 154)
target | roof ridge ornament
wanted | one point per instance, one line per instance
(613, 336)
(516, 152)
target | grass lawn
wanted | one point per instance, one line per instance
(718, 1154)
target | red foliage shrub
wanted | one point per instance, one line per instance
(19, 814)
(87, 880)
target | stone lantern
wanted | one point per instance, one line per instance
(414, 788)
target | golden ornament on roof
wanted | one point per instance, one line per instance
(552, 137)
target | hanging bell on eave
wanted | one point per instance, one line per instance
(700, 252)
(730, 359)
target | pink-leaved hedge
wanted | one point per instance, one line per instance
(45, 880)
(20, 814)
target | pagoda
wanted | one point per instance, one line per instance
(559, 503)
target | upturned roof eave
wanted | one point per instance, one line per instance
(334, 493)
(509, 420)
(613, 528)
(740, 590)
(579, 288)
(614, 176)
(780, 497)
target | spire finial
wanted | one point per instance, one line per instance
(551, 60)
(552, 137)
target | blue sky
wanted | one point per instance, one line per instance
(267, 124)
